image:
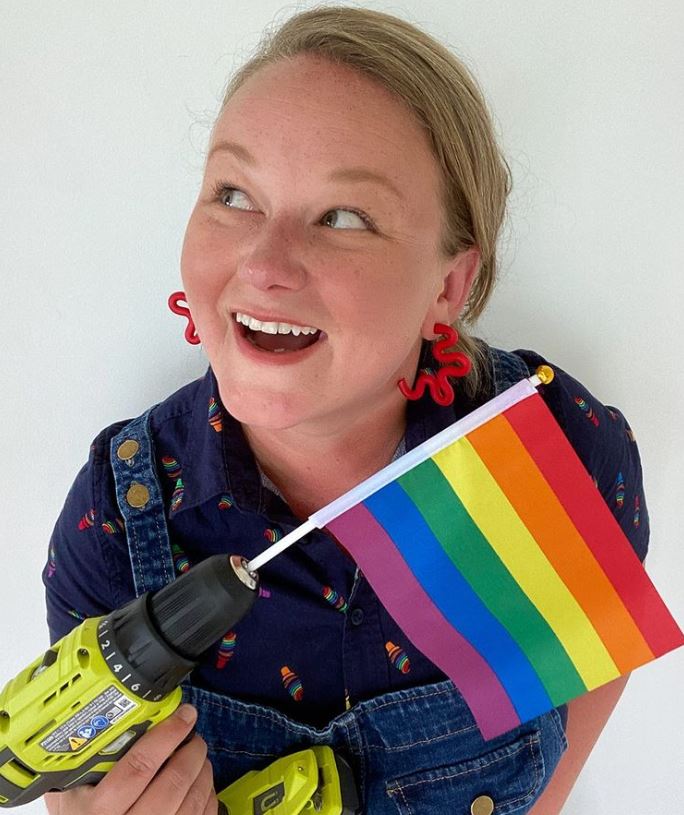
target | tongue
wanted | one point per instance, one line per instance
(270, 342)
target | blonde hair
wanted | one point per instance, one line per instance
(447, 101)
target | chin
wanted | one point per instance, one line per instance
(262, 409)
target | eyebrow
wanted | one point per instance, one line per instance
(342, 174)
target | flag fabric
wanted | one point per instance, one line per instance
(495, 552)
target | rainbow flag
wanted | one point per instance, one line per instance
(496, 554)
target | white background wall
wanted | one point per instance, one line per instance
(106, 108)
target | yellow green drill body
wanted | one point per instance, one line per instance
(75, 710)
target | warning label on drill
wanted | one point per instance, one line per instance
(89, 722)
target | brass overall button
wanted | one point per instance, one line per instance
(138, 495)
(128, 449)
(482, 805)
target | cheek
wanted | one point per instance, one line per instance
(393, 328)
(191, 261)
(388, 310)
(206, 253)
(382, 336)
(205, 268)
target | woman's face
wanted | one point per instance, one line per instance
(299, 232)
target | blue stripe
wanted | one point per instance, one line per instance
(454, 597)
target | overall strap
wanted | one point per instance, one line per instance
(141, 503)
(507, 369)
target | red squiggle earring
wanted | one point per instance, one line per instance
(190, 332)
(440, 387)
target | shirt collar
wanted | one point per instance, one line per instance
(219, 461)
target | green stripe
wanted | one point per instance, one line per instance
(479, 564)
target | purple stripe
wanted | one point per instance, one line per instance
(422, 622)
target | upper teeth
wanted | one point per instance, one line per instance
(274, 328)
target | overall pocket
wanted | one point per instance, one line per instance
(507, 779)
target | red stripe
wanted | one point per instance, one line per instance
(563, 469)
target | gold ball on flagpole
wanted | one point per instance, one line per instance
(545, 374)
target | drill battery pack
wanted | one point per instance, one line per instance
(315, 780)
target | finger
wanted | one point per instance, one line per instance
(70, 802)
(170, 786)
(214, 807)
(133, 772)
(53, 802)
(200, 795)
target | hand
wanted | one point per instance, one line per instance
(144, 782)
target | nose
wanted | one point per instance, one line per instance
(273, 260)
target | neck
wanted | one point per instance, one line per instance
(311, 470)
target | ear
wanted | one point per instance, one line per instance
(459, 276)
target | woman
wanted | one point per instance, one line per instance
(352, 198)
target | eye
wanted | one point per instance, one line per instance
(221, 191)
(360, 216)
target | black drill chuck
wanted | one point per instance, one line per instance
(197, 609)
(156, 640)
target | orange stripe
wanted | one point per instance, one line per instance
(498, 445)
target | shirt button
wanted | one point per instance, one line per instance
(357, 616)
(138, 495)
(128, 449)
(482, 805)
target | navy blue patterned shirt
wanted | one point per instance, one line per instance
(317, 616)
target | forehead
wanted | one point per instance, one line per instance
(315, 111)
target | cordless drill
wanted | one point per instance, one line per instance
(73, 712)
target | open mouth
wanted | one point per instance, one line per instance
(277, 343)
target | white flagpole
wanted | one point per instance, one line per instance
(516, 393)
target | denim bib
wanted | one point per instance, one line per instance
(414, 751)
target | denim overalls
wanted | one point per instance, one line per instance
(414, 751)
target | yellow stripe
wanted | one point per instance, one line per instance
(517, 549)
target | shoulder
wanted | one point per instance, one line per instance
(169, 423)
(579, 412)
(87, 571)
(171, 411)
(605, 443)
